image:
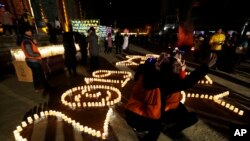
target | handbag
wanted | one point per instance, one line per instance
(146, 103)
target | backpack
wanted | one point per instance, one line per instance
(146, 103)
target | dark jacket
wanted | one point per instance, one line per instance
(69, 49)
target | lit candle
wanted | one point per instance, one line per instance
(241, 113)
(74, 105)
(81, 128)
(219, 101)
(73, 122)
(30, 120)
(42, 114)
(202, 96)
(223, 103)
(85, 129)
(36, 117)
(84, 104)
(69, 120)
(19, 128)
(98, 134)
(104, 136)
(236, 110)
(89, 131)
(231, 107)
(197, 95)
(78, 104)
(93, 132)
(206, 96)
(16, 134)
(24, 124)
(46, 113)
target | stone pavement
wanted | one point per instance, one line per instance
(16, 98)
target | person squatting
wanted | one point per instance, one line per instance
(150, 109)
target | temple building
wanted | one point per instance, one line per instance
(44, 11)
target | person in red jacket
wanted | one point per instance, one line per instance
(172, 120)
(148, 122)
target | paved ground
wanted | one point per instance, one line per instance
(18, 98)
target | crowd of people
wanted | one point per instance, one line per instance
(11, 23)
(154, 105)
(89, 46)
(231, 48)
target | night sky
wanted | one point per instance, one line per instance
(138, 13)
(126, 13)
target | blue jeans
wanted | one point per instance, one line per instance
(39, 80)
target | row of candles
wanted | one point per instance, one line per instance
(85, 89)
(101, 80)
(129, 61)
(131, 58)
(217, 99)
(106, 73)
(89, 88)
(46, 51)
(207, 81)
(60, 116)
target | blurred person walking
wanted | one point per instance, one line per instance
(52, 34)
(70, 60)
(7, 21)
(92, 40)
(110, 43)
(81, 39)
(57, 26)
(125, 42)
(118, 43)
(241, 50)
(229, 52)
(216, 42)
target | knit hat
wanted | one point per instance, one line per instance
(25, 28)
(92, 29)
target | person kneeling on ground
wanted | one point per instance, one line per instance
(176, 116)
(144, 110)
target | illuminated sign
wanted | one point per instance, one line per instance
(82, 26)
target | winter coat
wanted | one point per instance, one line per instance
(92, 39)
